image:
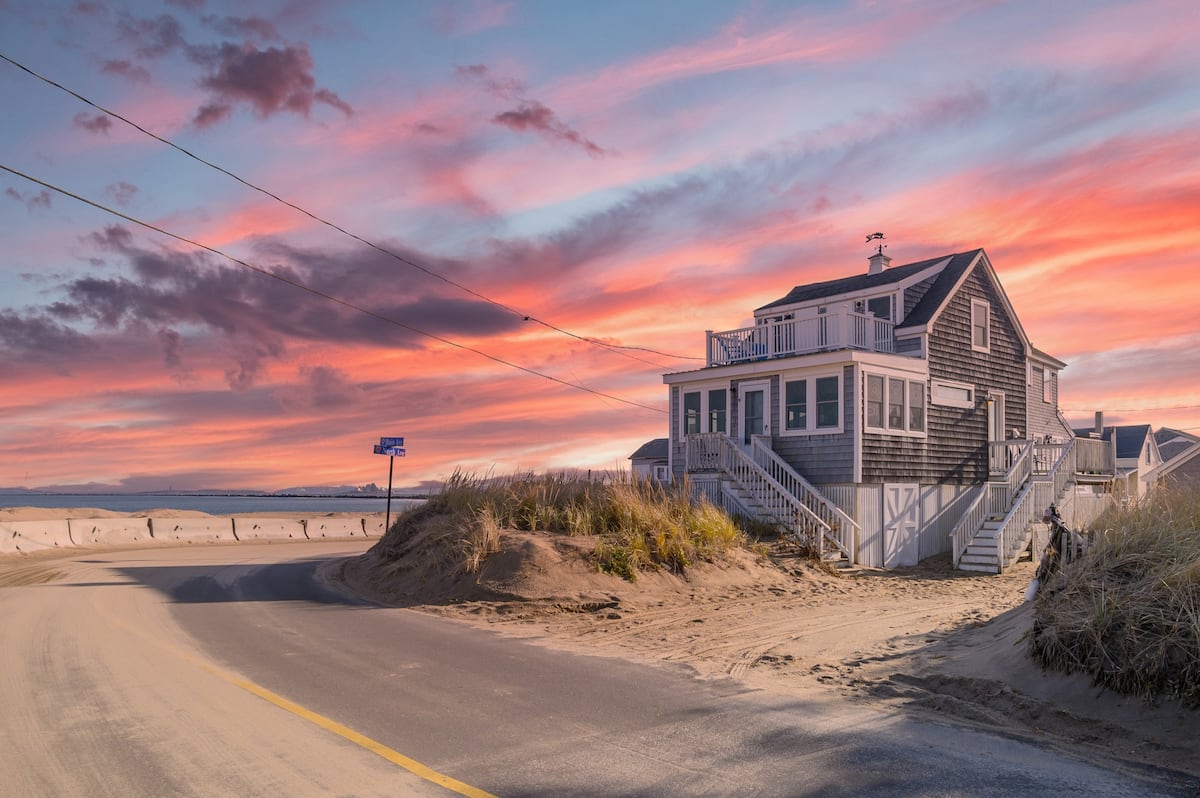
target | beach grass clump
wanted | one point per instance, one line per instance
(1128, 611)
(639, 525)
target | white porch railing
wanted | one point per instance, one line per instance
(837, 330)
(970, 523)
(784, 496)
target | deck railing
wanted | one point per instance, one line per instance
(1095, 456)
(837, 330)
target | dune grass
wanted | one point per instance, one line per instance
(1128, 612)
(638, 525)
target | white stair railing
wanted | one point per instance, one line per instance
(843, 531)
(782, 496)
(995, 497)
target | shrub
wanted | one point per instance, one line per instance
(639, 524)
(1128, 611)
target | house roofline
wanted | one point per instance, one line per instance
(1164, 469)
(990, 271)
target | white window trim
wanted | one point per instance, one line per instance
(1047, 385)
(976, 306)
(908, 381)
(703, 390)
(934, 399)
(811, 404)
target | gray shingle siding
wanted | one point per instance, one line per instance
(957, 442)
(914, 294)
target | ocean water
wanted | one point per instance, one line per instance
(213, 505)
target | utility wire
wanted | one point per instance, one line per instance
(322, 294)
(617, 348)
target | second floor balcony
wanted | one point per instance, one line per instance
(841, 329)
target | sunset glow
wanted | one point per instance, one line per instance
(631, 173)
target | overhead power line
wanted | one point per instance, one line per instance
(1130, 409)
(322, 294)
(617, 348)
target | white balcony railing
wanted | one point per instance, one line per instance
(837, 330)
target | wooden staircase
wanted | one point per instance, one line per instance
(998, 525)
(758, 484)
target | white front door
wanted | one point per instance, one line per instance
(754, 411)
(901, 524)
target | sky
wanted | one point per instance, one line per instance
(491, 227)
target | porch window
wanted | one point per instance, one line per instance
(717, 403)
(895, 404)
(828, 402)
(691, 413)
(916, 407)
(796, 405)
(980, 326)
(811, 405)
(874, 400)
(706, 410)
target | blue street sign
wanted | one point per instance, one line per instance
(393, 451)
(391, 441)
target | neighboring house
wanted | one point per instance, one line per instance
(889, 416)
(650, 461)
(1180, 452)
(1137, 455)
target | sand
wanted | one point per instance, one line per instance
(929, 639)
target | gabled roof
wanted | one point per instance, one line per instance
(940, 291)
(652, 450)
(855, 284)
(1173, 442)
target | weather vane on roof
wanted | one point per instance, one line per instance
(877, 237)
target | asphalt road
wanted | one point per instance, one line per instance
(230, 670)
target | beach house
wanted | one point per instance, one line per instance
(886, 417)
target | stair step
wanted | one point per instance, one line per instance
(981, 568)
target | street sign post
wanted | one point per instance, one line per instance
(393, 448)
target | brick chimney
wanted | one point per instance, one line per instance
(878, 262)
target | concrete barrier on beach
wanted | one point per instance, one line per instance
(268, 529)
(317, 528)
(27, 536)
(110, 531)
(193, 530)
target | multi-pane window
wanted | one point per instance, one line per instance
(812, 405)
(894, 404)
(796, 405)
(706, 411)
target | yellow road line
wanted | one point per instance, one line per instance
(395, 757)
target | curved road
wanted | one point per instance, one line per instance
(230, 670)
